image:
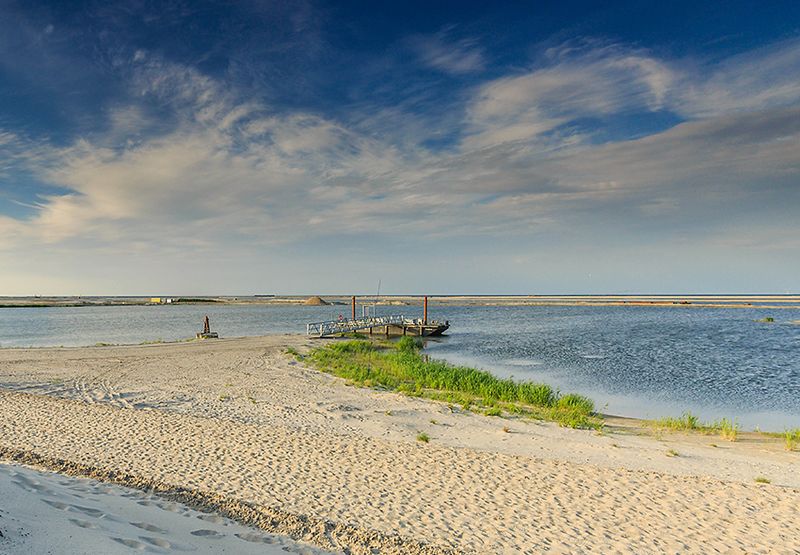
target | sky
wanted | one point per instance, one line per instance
(258, 147)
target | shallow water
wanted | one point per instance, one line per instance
(633, 361)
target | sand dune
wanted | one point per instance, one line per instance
(241, 420)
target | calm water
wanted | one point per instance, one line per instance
(642, 361)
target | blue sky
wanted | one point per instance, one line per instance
(450, 147)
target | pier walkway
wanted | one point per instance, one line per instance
(333, 327)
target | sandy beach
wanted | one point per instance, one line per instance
(240, 427)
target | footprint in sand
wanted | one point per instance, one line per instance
(158, 542)
(214, 519)
(133, 544)
(83, 523)
(96, 513)
(57, 504)
(255, 538)
(207, 534)
(148, 527)
(171, 507)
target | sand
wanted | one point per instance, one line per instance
(44, 512)
(241, 420)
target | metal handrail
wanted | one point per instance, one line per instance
(321, 329)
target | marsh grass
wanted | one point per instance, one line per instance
(762, 480)
(728, 429)
(672, 453)
(400, 367)
(791, 439)
(423, 437)
(687, 421)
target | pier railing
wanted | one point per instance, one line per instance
(321, 329)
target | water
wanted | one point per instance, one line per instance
(633, 361)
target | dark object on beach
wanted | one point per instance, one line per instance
(206, 333)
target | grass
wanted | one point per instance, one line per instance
(423, 437)
(728, 429)
(762, 480)
(400, 367)
(791, 439)
(672, 453)
(292, 351)
(687, 421)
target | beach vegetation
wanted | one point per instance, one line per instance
(293, 352)
(687, 421)
(493, 411)
(763, 480)
(672, 453)
(728, 429)
(400, 367)
(423, 437)
(791, 439)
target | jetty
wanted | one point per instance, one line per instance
(395, 324)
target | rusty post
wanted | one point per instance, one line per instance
(425, 311)
(353, 304)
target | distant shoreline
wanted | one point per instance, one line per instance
(770, 301)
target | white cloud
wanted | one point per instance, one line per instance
(439, 51)
(754, 80)
(601, 82)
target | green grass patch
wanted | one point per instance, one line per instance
(727, 429)
(423, 437)
(791, 439)
(762, 480)
(400, 367)
(687, 421)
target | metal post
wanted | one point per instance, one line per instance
(425, 311)
(354, 307)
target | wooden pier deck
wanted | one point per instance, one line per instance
(395, 324)
(388, 325)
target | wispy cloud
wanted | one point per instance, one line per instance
(451, 55)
